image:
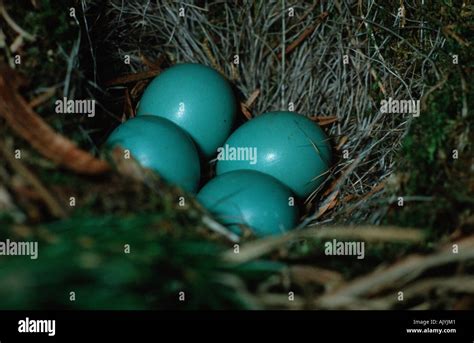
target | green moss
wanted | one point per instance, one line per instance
(427, 152)
(54, 29)
(85, 254)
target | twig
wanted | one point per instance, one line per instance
(211, 57)
(449, 32)
(251, 99)
(14, 25)
(245, 107)
(219, 228)
(263, 246)
(26, 123)
(422, 288)
(53, 205)
(304, 35)
(408, 268)
(124, 79)
(303, 275)
(377, 188)
(153, 65)
(282, 55)
(245, 110)
(42, 98)
(431, 90)
(341, 143)
(324, 120)
(128, 110)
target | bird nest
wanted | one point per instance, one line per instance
(333, 68)
(334, 62)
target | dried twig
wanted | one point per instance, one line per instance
(53, 205)
(128, 110)
(303, 275)
(13, 24)
(304, 35)
(129, 78)
(398, 273)
(263, 246)
(42, 98)
(245, 107)
(26, 123)
(323, 120)
(251, 99)
(219, 228)
(422, 288)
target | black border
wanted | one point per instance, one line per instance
(171, 325)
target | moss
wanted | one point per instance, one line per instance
(427, 152)
(85, 254)
(54, 30)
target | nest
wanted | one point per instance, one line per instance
(333, 68)
(330, 61)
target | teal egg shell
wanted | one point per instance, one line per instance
(250, 198)
(159, 144)
(196, 98)
(290, 147)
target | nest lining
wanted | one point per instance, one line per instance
(297, 61)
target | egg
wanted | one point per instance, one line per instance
(287, 145)
(197, 99)
(160, 145)
(250, 198)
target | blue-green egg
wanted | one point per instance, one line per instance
(197, 99)
(252, 199)
(160, 145)
(287, 145)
